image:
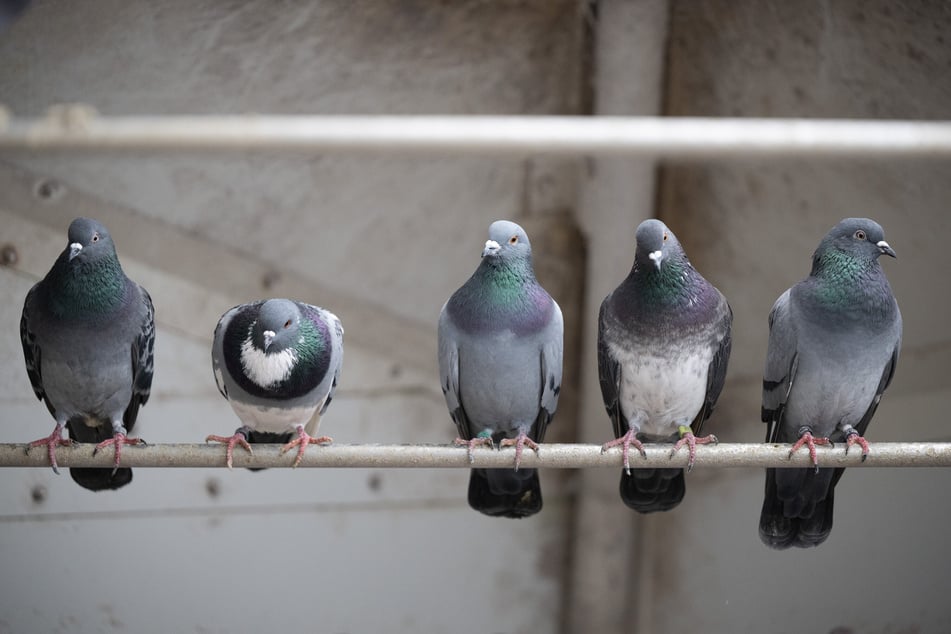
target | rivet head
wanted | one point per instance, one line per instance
(213, 487)
(270, 279)
(38, 494)
(9, 255)
(48, 189)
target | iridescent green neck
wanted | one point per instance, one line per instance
(312, 343)
(842, 278)
(661, 286)
(505, 281)
(86, 289)
(501, 295)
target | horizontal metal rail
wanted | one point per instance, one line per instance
(558, 456)
(80, 127)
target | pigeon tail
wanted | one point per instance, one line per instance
(802, 522)
(101, 479)
(96, 479)
(505, 492)
(264, 437)
(652, 490)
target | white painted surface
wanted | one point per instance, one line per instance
(400, 550)
(390, 237)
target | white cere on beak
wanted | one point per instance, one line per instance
(491, 248)
(885, 248)
(74, 249)
(268, 338)
(656, 257)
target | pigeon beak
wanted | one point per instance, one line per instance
(74, 250)
(491, 248)
(268, 338)
(656, 257)
(884, 248)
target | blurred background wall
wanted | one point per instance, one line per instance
(384, 240)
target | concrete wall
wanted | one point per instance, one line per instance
(381, 240)
(384, 240)
(751, 227)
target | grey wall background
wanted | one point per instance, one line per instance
(384, 240)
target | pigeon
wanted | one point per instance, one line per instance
(663, 346)
(277, 362)
(501, 339)
(88, 335)
(834, 340)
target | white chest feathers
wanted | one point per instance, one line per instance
(267, 370)
(659, 394)
(278, 420)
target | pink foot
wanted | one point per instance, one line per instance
(687, 438)
(806, 438)
(117, 440)
(854, 438)
(520, 442)
(51, 442)
(231, 441)
(302, 441)
(628, 439)
(473, 443)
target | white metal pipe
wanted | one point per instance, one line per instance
(81, 128)
(559, 456)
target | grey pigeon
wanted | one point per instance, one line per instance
(88, 335)
(663, 347)
(500, 358)
(277, 362)
(834, 340)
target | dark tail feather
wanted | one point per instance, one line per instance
(96, 479)
(804, 520)
(505, 492)
(101, 479)
(815, 530)
(775, 529)
(652, 490)
(265, 437)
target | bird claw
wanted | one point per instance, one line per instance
(520, 442)
(302, 441)
(51, 442)
(237, 439)
(628, 439)
(473, 443)
(806, 438)
(118, 440)
(854, 438)
(687, 438)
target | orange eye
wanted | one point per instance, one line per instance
(860, 235)
(665, 236)
(513, 240)
(287, 324)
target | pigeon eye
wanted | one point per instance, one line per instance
(513, 240)
(287, 324)
(666, 236)
(859, 235)
(95, 237)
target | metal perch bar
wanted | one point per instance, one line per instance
(80, 127)
(558, 456)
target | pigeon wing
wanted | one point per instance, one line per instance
(32, 354)
(716, 371)
(143, 360)
(609, 374)
(449, 374)
(781, 362)
(552, 355)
